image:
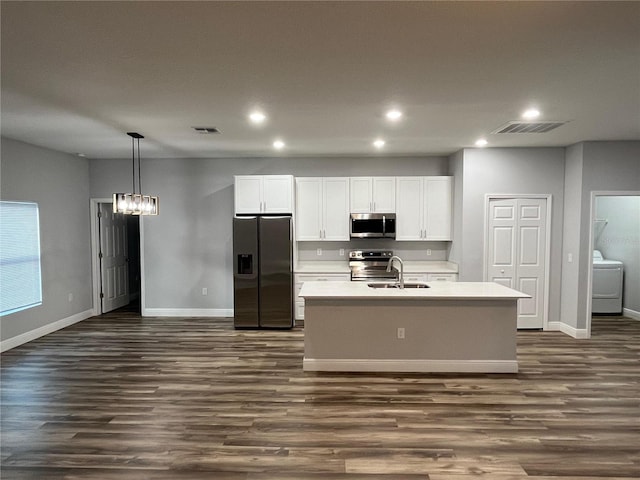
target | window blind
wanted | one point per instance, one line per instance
(20, 275)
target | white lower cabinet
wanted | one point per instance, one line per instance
(300, 278)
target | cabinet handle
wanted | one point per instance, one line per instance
(374, 206)
(320, 233)
(501, 271)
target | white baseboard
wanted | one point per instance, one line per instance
(568, 329)
(627, 312)
(188, 312)
(44, 330)
(404, 365)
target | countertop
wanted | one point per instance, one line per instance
(438, 290)
(409, 267)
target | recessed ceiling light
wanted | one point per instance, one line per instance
(394, 114)
(481, 142)
(530, 114)
(257, 117)
(379, 143)
(278, 144)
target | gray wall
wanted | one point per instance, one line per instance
(188, 246)
(456, 168)
(571, 235)
(590, 166)
(59, 183)
(510, 171)
(607, 166)
(619, 239)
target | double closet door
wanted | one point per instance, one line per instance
(517, 253)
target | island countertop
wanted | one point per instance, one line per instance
(437, 290)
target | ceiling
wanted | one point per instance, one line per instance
(77, 75)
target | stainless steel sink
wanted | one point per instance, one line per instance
(395, 285)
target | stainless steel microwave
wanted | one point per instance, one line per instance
(373, 225)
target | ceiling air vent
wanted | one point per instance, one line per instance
(206, 130)
(528, 127)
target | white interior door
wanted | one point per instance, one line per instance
(517, 253)
(113, 255)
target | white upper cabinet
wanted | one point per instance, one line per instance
(372, 194)
(263, 194)
(322, 209)
(423, 208)
(438, 207)
(336, 208)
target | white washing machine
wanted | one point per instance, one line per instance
(607, 285)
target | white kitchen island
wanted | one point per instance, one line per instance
(449, 327)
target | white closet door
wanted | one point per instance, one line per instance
(531, 260)
(517, 253)
(502, 242)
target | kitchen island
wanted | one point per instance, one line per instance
(449, 327)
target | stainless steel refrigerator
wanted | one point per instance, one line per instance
(262, 272)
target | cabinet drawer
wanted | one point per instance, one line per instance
(322, 277)
(416, 277)
(443, 277)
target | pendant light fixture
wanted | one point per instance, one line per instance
(135, 203)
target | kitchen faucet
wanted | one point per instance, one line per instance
(401, 277)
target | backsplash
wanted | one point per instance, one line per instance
(308, 251)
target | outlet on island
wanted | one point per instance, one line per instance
(205, 291)
(319, 252)
(401, 333)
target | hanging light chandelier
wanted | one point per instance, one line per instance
(135, 203)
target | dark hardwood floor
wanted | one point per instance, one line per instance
(124, 397)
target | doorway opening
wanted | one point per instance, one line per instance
(116, 259)
(615, 235)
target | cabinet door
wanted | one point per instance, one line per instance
(308, 209)
(384, 194)
(277, 194)
(438, 206)
(248, 193)
(409, 208)
(360, 193)
(336, 209)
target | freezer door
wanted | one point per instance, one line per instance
(245, 272)
(276, 272)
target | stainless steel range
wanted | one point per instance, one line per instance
(368, 265)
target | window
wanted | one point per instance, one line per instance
(20, 278)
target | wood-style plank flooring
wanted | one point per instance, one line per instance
(124, 397)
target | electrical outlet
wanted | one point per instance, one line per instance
(205, 291)
(319, 252)
(342, 252)
(428, 251)
(570, 258)
(401, 333)
(70, 297)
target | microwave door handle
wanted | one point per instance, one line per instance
(384, 226)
